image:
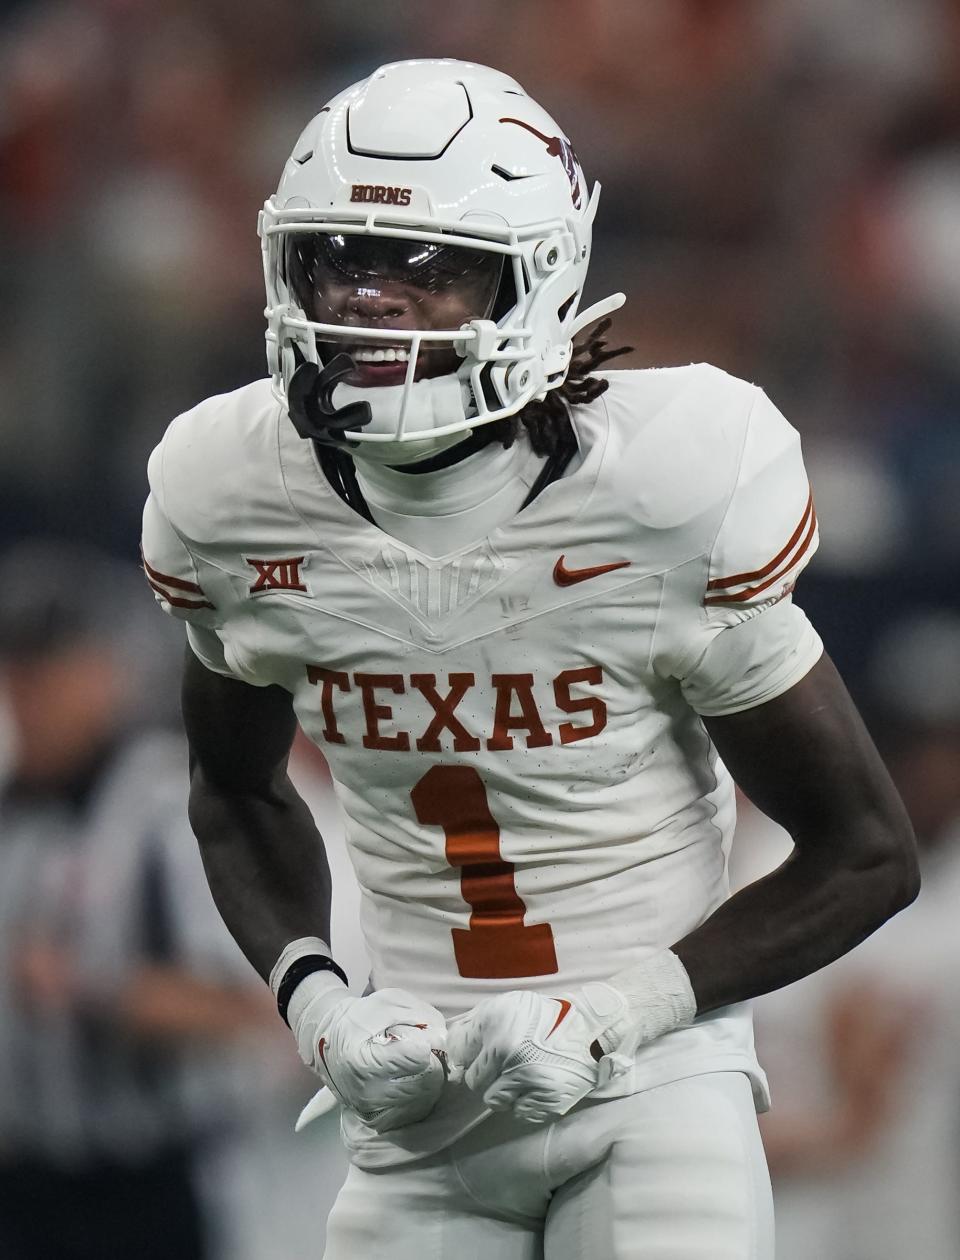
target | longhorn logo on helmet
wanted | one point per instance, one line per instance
(558, 147)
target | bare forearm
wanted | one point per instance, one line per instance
(261, 850)
(807, 761)
(787, 925)
(265, 864)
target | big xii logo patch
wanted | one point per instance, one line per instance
(277, 575)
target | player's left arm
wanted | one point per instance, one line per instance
(751, 665)
(806, 760)
(781, 719)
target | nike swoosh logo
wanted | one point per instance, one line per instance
(564, 1012)
(569, 577)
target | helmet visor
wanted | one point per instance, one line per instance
(358, 281)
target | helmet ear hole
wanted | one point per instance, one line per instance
(490, 394)
(507, 296)
(565, 307)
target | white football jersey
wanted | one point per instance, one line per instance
(531, 798)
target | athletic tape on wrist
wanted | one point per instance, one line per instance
(658, 999)
(298, 959)
(298, 971)
(298, 948)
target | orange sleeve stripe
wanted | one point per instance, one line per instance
(738, 578)
(175, 601)
(178, 584)
(750, 591)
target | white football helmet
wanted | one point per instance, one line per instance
(424, 257)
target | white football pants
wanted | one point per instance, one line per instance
(674, 1173)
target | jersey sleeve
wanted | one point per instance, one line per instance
(171, 571)
(747, 642)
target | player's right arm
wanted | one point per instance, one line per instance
(262, 853)
(264, 858)
(269, 877)
(265, 861)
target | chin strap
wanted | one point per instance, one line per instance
(310, 400)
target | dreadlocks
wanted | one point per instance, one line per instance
(547, 421)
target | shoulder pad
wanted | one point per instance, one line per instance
(217, 466)
(676, 438)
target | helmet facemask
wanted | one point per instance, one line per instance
(389, 336)
(424, 255)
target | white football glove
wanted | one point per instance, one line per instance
(539, 1056)
(383, 1056)
(527, 1053)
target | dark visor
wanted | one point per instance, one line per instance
(319, 264)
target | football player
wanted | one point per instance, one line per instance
(537, 615)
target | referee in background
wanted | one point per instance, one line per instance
(124, 1005)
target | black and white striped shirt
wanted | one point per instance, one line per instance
(113, 878)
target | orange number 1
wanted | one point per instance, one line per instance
(497, 945)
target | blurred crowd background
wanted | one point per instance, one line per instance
(781, 198)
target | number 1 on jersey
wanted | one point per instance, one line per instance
(497, 945)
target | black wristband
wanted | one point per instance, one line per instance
(298, 969)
